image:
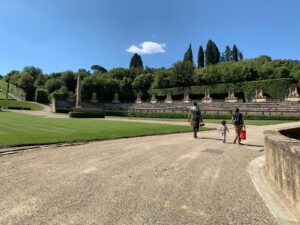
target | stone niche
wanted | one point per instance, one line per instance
(207, 98)
(138, 99)
(293, 94)
(169, 98)
(186, 98)
(259, 96)
(231, 97)
(283, 161)
(153, 99)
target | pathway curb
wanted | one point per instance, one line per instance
(283, 211)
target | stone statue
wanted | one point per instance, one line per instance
(94, 97)
(207, 98)
(153, 99)
(293, 91)
(231, 97)
(186, 98)
(293, 94)
(116, 98)
(259, 96)
(169, 98)
(138, 99)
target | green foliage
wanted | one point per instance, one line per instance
(188, 55)
(275, 88)
(136, 61)
(53, 84)
(98, 69)
(228, 55)
(86, 114)
(142, 83)
(234, 53)
(200, 57)
(60, 94)
(69, 80)
(212, 53)
(66, 111)
(13, 89)
(41, 96)
(182, 74)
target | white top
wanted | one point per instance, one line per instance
(223, 128)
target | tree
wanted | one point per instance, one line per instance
(200, 57)
(240, 55)
(98, 69)
(33, 71)
(53, 84)
(142, 83)
(69, 79)
(212, 53)
(235, 53)
(182, 74)
(228, 55)
(26, 83)
(136, 61)
(13, 76)
(188, 55)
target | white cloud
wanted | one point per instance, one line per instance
(147, 47)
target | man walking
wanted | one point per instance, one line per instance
(194, 117)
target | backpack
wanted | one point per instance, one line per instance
(196, 113)
(237, 119)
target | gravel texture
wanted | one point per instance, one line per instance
(168, 179)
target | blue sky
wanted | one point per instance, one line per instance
(58, 35)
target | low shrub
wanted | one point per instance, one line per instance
(66, 111)
(86, 114)
(18, 108)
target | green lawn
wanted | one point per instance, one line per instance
(19, 129)
(13, 103)
(247, 122)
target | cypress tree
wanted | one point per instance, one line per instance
(241, 57)
(212, 53)
(227, 54)
(209, 54)
(136, 61)
(188, 55)
(200, 57)
(235, 53)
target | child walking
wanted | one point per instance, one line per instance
(223, 128)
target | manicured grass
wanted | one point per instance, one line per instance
(13, 103)
(247, 122)
(20, 129)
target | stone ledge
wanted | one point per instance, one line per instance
(283, 162)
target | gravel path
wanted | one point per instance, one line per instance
(169, 179)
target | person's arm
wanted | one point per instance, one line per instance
(189, 116)
(243, 123)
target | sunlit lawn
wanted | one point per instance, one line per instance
(21, 129)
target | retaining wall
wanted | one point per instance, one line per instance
(283, 161)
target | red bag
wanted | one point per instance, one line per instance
(243, 134)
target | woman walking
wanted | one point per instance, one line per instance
(195, 118)
(238, 123)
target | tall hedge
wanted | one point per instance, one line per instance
(41, 96)
(275, 88)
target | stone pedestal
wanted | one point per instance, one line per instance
(138, 99)
(259, 97)
(94, 98)
(293, 94)
(186, 98)
(116, 98)
(153, 99)
(231, 97)
(168, 99)
(207, 98)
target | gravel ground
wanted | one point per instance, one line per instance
(168, 179)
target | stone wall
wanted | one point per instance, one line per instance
(283, 162)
